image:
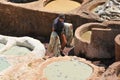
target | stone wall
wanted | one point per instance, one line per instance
(18, 21)
(117, 47)
(103, 42)
(22, 19)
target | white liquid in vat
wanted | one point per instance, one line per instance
(68, 70)
(17, 50)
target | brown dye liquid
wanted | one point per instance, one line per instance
(61, 5)
(86, 36)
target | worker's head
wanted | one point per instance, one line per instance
(61, 17)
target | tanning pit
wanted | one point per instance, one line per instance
(102, 10)
(62, 5)
(21, 46)
(100, 42)
(56, 68)
(68, 68)
(20, 51)
(110, 10)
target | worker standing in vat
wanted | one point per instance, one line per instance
(56, 46)
(58, 27)
(61, 37)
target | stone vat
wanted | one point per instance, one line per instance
(112, 73)
(35, 69)
(117, 47)
(69, 68)
(101, 10)
(18, 50)
(23, 45)
(26, 68)
(101, 42)
(19, 19)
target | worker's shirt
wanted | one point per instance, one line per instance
(58, 26)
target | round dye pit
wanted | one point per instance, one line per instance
(61, 5)
(3, 63)
(90, 42)
(56, 68)
(17, 50)
(67, 70)
(21, 46)
(86, 36)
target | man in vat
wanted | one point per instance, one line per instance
(58, 27)
(61, 36)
